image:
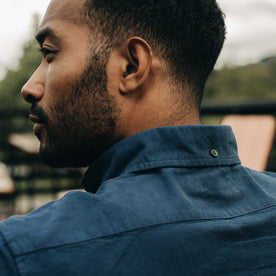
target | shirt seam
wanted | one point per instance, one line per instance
(144, 227)
(231, 161)
(194, 159)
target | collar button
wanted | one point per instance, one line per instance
(214, 153)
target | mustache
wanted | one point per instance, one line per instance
(38, 112)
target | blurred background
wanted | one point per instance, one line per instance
(244, 82)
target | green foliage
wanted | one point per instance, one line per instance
(252, 82)
(10, 99)
(11, 85)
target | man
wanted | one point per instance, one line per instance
(119, 90)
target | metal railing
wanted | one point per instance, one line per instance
(236, 108)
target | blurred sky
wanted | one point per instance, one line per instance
(251, 30)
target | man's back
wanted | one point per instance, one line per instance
(171, 201)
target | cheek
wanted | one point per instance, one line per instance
(58, 86)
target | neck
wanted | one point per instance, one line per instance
(158, 112)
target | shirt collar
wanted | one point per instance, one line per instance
(177, 146)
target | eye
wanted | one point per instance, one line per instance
(47, 54)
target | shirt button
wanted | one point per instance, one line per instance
(214, 153)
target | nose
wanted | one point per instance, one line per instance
(33, 89)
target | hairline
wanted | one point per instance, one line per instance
(194, 85)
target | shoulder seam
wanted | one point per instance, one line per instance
(145, 227)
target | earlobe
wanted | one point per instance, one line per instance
(139, 57)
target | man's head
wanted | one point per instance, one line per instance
(114, 68)
(187, 34)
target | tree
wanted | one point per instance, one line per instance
(252, 82)
(11, 85)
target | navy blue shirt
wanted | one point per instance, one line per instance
(166, 201)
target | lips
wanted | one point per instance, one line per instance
(35, 119)
(38, 124)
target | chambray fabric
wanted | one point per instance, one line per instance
(166, 201)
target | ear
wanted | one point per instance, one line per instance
(137, 68)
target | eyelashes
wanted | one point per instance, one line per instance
(47, 54)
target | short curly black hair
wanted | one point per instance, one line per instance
(188, 34)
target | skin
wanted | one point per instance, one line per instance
(86, 96)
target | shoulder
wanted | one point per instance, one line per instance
(51, 225)
(77, 217)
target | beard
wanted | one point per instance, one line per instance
(81, 125)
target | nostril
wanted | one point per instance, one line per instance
(30, 99)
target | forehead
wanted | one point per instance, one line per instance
(64, 22)
(65, 10)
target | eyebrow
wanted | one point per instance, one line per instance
(44, 33)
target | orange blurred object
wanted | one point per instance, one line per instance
(255, 136)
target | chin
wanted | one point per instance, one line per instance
(64, 160)
(61, 162)
(71, 155)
